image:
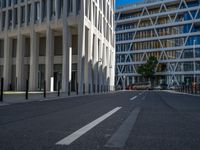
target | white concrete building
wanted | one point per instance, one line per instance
(57, 40)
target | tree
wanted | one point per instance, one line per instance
(148, 70)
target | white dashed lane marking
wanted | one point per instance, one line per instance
(74, 136)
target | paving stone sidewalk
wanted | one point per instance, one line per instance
(10, 98)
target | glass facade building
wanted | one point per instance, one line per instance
(167, 29)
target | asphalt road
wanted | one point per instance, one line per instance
(149, 120)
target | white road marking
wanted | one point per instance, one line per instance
(120, 137)
(133, 98)
(74, 136)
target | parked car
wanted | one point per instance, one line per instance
(142, 86)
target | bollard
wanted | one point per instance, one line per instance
(98, 88)
(58, 88)
(2, 80)
(16, 84)
(191, 88)
(83, 88)
(89, 89)
(195, 88)
(27, 86)
(44, 89)
(94, 90)
(69, 89)
(77, 88)
(184, 88)
(199, 88)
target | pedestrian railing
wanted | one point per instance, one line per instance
(190, 89)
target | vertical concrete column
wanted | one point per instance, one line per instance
(100, 59)
(26, 11)
(56, 3)
(33, 77)
(0, 21)
(104, 65)
(108, 66)
(64, 10)
(74, 7)
(81, 48)
(32, 13)
(49, 57)
(107, 69)
(128, 81)
(67, 58)
(133, 80)
(6, 19)
(48, 11)
(7, 62)
(88, 77)
(40, 20)
(20, 62)
(95, 61)
(87, 63)
(88, 60)
(81, 56)
(112, 81)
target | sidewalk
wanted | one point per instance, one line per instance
(19, 97)
(176, 92)
(10, 98)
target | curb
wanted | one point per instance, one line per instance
(174, 92)
(54, 98)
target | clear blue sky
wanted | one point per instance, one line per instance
(123, 2)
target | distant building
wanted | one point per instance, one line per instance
(167, 29)
(70, 41)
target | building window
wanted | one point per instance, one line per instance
(29, 13)
(15, 17)
(37, 12)
(78, 6)
(3, 19)
(60, 8)
(44, 9)
(1, 48)
(9, 2)
(10, 18)
(70, 6)
(14, 2)
(2, 3)
(53, 8)
(23, 15)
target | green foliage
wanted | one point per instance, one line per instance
(148, 69)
